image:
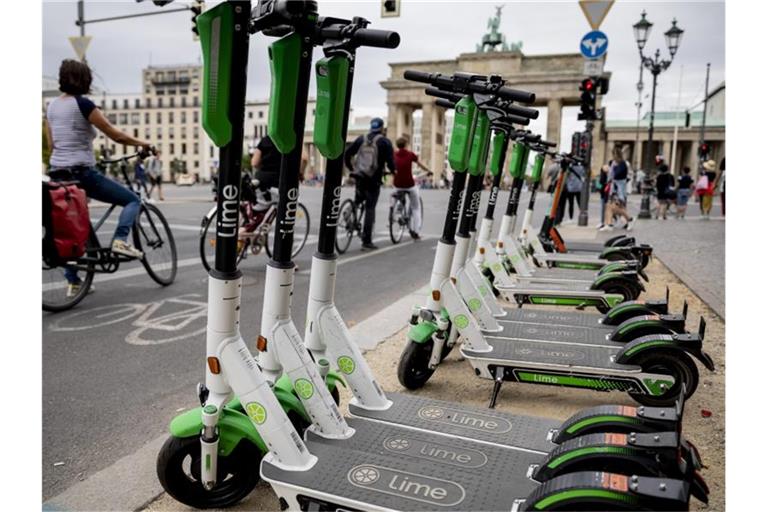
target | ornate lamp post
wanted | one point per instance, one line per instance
(655, 65)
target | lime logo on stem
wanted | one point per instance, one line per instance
(474, 304)
(461, 321)
(256, 412)
(304, 388)
(496, 267)
(346, 364)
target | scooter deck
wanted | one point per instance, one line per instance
(568, 334)
(457, 421)
(571, 258)
(564, 274)
(390, 467)
(552, 317)
(564, 286)
(551, 355)
(585, 246)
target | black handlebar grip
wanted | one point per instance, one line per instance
(516, 95)
(442, 102)
(418, 76)
(530, 113)
(510, 118)
(377, 38)
(530, 137)
(547, 143)
(440, 93)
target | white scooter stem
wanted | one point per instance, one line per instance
(231, 367)
(327, 336)
(285, 352)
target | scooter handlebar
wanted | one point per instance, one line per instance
(506, 93)
(376, 38)
(442, 102)
(440, 93)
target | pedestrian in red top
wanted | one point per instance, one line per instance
(404, 160)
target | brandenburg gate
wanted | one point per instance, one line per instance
(555, 80)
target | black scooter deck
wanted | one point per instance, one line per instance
(554, 333)
(387, 466)
(552, 317)
(585, 246)
(456, 421)
(550, 355)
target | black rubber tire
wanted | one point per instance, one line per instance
(242, 467)
(412, 369)
(298, 241)
(677, 364)
(156, 226)
(623, 288)
(345, 229)
(56, 306)
(208, 222)
(396, 212)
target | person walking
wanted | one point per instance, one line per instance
(705, 188)
(367, 157)
(619, 173)
(603, 188)
(404, 160)
(140, 177)
(684, 187)
(573, 183)
(721, 183)
(155, 173)
(71, 121)
(665, 191)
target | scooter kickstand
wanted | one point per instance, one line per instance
(497, 381)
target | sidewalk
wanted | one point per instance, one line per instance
(692, 248)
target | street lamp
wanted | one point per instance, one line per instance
(655, 65)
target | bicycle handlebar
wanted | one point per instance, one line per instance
(125, 158)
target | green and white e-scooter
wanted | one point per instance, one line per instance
(651, 376)
(363, 464)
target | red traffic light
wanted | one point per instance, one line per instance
(587, 85)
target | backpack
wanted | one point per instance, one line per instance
(702, 186)
(367, 157)
(66, 223)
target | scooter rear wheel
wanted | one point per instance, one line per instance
(413, 369)
(677, 364)
(178, 469)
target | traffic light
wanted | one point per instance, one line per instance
(390, 8)
(588, 99)
(703, 150)
(197, 7)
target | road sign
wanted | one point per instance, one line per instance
(595, 11)
(80, 44)
(594, 44)
(593, 67)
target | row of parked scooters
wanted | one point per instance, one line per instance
(276, 417)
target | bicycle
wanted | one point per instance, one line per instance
(351, 218)
(151, 234)
(254, 229)
(401, 211)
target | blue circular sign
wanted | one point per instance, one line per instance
(594, 44)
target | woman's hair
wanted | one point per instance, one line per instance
(686, 170)
(401, 142)
(74, 77)
(618, 155)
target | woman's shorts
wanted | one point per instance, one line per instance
(683, 195)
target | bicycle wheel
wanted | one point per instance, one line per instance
(152, 235)
(300, 232)
(345, 229)
(398, 219)
(55, 285)
(421, 220)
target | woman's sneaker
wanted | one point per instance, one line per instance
(126, 249)
(631, 223)
(73, 289)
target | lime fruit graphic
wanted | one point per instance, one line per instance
(304, 388)
(346, 364)
(256, 412)
(461, 321)
(474, 305)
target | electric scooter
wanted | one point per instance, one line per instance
(651, 376)
(361, 464)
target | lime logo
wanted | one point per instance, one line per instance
(496, 267)
(397, 444)
(431, 412)
(256, 412)
(304, 388)
(346, 364)
(483, 290)
(364, 475)
(461, 321)
(474, 304)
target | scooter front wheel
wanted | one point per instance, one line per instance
(413, 369)
(178, 469)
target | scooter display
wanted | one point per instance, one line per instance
(359, 463)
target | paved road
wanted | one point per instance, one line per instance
(120, 365)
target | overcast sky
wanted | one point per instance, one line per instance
(428, 30)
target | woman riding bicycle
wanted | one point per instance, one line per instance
(69, 123)
(404, 159)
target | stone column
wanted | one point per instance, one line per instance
(554, 118)
(667, 152)
(427, 134)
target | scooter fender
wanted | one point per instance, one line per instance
(617, 254)
(620, 241)
(683, 343)
(618, 419)
(631, 308)
(639, 326)
(234, 426)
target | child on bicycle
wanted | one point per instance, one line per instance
(69, 125)
(404, 160)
